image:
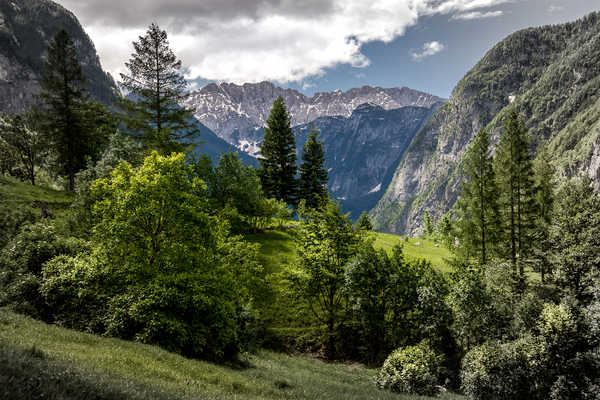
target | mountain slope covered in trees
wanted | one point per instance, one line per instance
(551, 74)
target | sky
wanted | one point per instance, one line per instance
(320, 45)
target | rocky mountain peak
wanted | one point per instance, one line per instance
(238, 112)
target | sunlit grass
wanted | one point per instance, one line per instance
(151, 372)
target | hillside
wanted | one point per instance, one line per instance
(22, 51)
(551, 74)
(44, 361)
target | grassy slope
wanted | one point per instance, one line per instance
(79, 365)
(13, 190)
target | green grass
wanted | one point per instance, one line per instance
(416, 248)
(15, 191)
(59, 363)
(278, 249)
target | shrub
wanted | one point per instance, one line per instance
(74, 288)
(183, 313)
(503, 370)
(412, 369)
(21, 264)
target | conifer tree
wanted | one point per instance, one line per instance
(514, 173)
(428, 224)
(278, 150)
(478, 204)
(68, 119)
(364, 222)
(156, 88)
(313, 175)
(546, 185)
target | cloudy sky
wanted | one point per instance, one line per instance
(321, 45)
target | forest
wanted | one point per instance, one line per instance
(156, 244)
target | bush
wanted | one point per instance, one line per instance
(21, 263)
(412, 369)
(74, 288)
(504, 370)
(183, 313)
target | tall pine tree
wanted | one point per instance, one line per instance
(313, 175)
(514, 173)
(278, 151)
(155, 89)
(65, 117)
(478, 204)
(546, 185)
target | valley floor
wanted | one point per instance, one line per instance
(46, 361)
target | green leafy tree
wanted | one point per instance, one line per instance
(174, 276)
(576, 239)
(326, 242)
(313, 175)
(29, 148)
(278, 151)
(157, 89)
(73, 135)
(364, 222)
(546, 183)
(478, 204)
(514, 173)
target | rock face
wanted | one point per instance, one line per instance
(363, 150)
(237, 113)
(26, 28)
(551, 74)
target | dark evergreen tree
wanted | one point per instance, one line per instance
(313, 175)
(478, 204)
(156, 89)
(546, 184)
(428, 224)
(65, 120)
(514, 173)
(364, 222)
(278, 150)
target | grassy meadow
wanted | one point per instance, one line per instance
(46, 361)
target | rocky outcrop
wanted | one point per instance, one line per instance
(26, 28)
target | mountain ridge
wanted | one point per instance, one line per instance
(551, 74)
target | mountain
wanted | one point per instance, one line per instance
(363, 150)
(26, 28)
(551, 74)
(237, 113)
(213, 146)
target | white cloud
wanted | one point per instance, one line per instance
(478, 15)
(254, 40)
(428, 50)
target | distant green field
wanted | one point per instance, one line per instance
(45, 361)
(278, 248)
(13, 191)
(416, 248)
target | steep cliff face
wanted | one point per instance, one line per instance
(551, 74)
(26, 28)
(363, 150)
(237, 113)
